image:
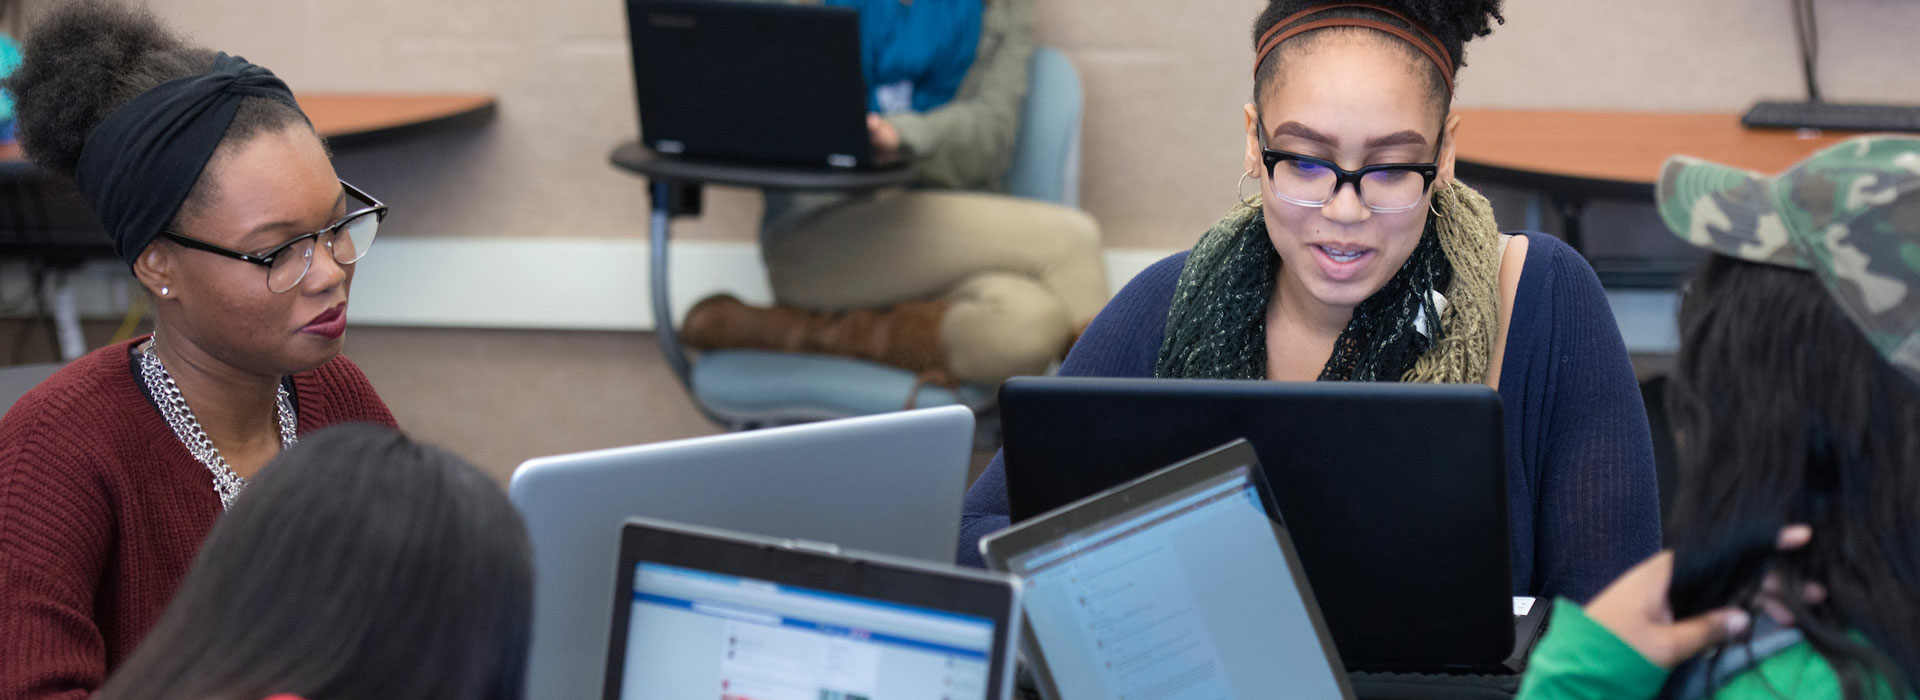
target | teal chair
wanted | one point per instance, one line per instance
(744, 389)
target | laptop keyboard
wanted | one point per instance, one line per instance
(1379, 685)
(1833, 116)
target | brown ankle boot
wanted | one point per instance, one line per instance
(906, 335)
(725, 322)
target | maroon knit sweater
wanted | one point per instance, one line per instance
(102, 510)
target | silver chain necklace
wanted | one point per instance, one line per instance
(173, 408)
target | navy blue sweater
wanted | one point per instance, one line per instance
(1580, 479)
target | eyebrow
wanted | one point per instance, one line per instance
(1303, 131)
(1398, 138)
(287, 223)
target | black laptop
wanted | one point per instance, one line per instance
(1395, 494)
(761, 83)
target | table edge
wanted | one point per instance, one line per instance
(634, 158)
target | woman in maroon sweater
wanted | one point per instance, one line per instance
(221, 199)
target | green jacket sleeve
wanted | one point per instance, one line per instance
(1579, 660)
(968, 143)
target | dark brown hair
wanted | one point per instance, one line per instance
(1785, 413)
(359, 565)
(1453, 23)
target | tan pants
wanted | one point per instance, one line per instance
(1021, 275)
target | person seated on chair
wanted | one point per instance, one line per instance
(951, 279)
(1363, 259)
(218, 195)
(360, 566)
(1796, 402)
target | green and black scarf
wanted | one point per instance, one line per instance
(1216, 327)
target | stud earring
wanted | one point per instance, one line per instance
(163, 291)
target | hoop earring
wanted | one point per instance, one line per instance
(1240, 188)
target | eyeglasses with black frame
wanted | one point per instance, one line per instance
(348, 239)
(1307, 181)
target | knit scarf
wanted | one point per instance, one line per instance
(1216, 327)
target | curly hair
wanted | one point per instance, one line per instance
(1453, 22)
(87, 58)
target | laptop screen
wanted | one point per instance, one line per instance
(1188, 596)
(695, 634)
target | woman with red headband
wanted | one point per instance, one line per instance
(1359, 257)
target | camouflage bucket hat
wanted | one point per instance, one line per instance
(1850, 214)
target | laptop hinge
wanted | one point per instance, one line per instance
(812, 546)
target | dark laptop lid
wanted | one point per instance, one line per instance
(1143, 591)
(750, 81)
(699, 612)
(1395, 494)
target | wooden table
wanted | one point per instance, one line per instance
(1570, 158)
(1615, 154)
(348, 120)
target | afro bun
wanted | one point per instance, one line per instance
(87, 58)
(82, 61)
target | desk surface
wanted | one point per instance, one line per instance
(352, 119)
(347, 119)
(1615, 154)
(641, 160)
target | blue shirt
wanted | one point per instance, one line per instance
(1582, 492)
(915, 54)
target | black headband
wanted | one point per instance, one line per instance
(140, 163)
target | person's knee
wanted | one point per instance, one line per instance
(1059, 235)
(1002, 325)
(1081, 232)
(1078, 271)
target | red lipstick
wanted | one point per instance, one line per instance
(331, 323)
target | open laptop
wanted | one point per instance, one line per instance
(890, 484)
(702, 613)
(1395, 494)
(1179, 584)
(767, 83)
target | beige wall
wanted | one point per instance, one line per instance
(1164, 81)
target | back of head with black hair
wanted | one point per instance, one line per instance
(358, 566)
(1785, 414)
(87, 58)
(1453, 22)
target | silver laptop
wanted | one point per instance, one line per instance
(703, 613)
(890, 484)
(1180, 584)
